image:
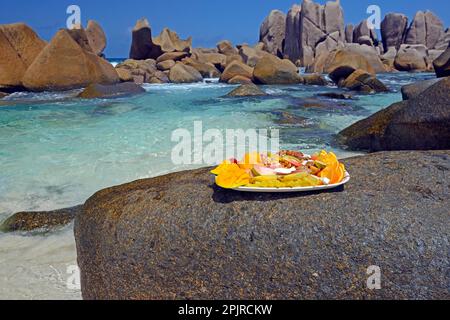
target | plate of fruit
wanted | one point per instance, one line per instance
(284, 171)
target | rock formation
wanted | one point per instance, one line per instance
(420, 123)
(63, 64)
(272, 32)
(292, 34)
(19, 47)
(426, 29)
(442, 64)
(142, 46)
(181, 237)
(96, 37)
(393, 30)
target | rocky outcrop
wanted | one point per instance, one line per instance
(142, 71)
(349, 29)
(273, 70)
(234, 69)
(96, 37)
(442, 64)
(292, 34)
(317, 23)
(246, 90)
(174, 56)
(98, 91)
(142, 46)
(181, 237)
(240, 80)
(41, 221)
(393, 30)
(19, 47)
(426, 29)
(182, 73)
(413, 90)
(169, 41)
(420, 123)
(411, 58)
(63, 64)
(272, 32)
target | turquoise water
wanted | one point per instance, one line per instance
(57, 153)
(57, 150)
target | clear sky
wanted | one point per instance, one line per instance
(208, 21)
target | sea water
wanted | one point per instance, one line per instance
(57, 150)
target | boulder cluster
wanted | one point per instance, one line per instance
(310, 32)
(72, 59)
(168, 58)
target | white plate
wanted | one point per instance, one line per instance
(296, 189)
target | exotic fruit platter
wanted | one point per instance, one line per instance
(285, 171)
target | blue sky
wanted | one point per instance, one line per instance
(208, 21)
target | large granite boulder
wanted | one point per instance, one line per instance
(393, 30)
(411, 58)
(442, 64)
(181, 237)
(292, 34)
(421, 123)
(39, 221)
(169, 41)
(63, 64)
(142, 46)
(182, 73)
(273, 70)
(370, 53)
(317, 21)
(426, 29)
(119, 90)
(234, 69)
(19, 47)
(272, 32)
(345, 62)
(218, 60)
(349, 29)
(96, 37)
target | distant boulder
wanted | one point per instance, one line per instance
(426, 29)
(142, 46)
(411, 58)
(246, 90)
(165, 65)
(345, 62)
(169, 41)
(393, 30)
(175, 56)
(314, 79)
(63, 65)
(96, 37)
(207, 70)
(272, 32)
(273, 70)
(226, 47)
(236, 68)
(98, 91)
(240, 80)
(143, 71)
(181, 73)
(292, 34)
(251, 56)
(19, 47)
